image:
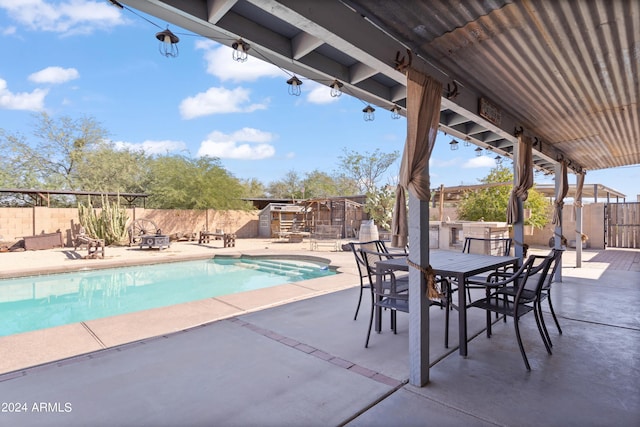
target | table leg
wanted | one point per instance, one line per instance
(378, 309)
(462, 315)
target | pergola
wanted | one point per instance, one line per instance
(42, 197)
(563, 73)
(589, 191)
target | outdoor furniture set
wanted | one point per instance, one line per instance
(509, 291)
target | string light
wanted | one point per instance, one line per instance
(453, 145)
(168, 43)
(395, 112)
(240, 49)
(294, 86)
(368, 113)
(336, 88)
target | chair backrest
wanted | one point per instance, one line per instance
(499, 246)
(555, 262)
(555, 255)
(388, 286)
(537, 269)
(361, 250)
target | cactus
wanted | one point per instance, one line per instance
(110, 225)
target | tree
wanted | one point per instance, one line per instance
(52, 159)
(290, 187)
(178, 182)
(366, 168)
(490, 204)
(106, 169)
(380, 205)
(320, 184)
(253, 188)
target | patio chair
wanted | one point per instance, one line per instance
(498, 246)
(545, 293)
(391, 292)
(95, 247)
(517, 295)
(363, 273)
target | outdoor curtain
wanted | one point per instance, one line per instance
(579, 186)
(423, 116)
(561, 192)
(524, 175)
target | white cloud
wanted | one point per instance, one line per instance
(319, 94)
(67, 17)
(479, 162)
(244, 144)
(444, 163)
(54, 75)
(220, 64)
(218, 100)
(7, 31)
(33, 101)
(151, 147)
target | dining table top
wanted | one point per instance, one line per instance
(453, 263)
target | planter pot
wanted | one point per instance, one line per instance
(572, 244)
(528, 230)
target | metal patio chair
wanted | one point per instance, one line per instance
(517, 295)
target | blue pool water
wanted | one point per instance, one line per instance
(39, 302)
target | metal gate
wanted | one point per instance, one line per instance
(623, 225)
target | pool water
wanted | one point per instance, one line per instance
(39, 302)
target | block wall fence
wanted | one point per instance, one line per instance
(15, 223)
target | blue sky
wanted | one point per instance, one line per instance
(81, 58)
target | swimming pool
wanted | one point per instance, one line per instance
(39, 302)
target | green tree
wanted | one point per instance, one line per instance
(253, 188)
(490, 204)
(106, 169)
(178, 182)
(321, 184)
(289, 187)
(51, 160)
(366, 168)
(379, 206)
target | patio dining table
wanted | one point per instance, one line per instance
(450, 264)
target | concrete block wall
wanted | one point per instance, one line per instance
(15, 223)
(592, 226)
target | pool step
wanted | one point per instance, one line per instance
(267, 269)
(278, 267)
(282, 265)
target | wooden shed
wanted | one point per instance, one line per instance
(341, 211)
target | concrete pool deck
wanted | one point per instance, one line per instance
(304, 363)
